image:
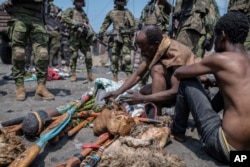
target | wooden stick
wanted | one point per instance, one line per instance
(85, 113)
(80, 125)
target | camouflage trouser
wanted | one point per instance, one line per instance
(194, 40)
(121, 55)
(65, 50)
(22, 27)
(247, 42)
(77, 43)
(55, 50)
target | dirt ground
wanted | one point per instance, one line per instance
(64, 90)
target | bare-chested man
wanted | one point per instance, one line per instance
(230, 65)
(161, 56)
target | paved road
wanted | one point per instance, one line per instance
(65, 91)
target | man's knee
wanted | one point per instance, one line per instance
(158, 68)
(18, 53)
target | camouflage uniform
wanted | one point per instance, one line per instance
(80, 38)
(53, 27)
(27, 23)
(65, 38)
(244, 7)
(191, 30)
(123, 29)
(155, 13)
(211, 19)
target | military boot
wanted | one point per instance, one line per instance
(73, 77)
(20, 93)
(43, 93)
(115, 77)
(90, 77)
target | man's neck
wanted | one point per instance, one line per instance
(237, 48)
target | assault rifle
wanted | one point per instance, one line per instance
(46, 7)
(84, 29)
(52, 23)
(171, 20)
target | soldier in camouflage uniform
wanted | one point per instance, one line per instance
(123, 30)
(65, 38)
(156, 12)
(191, 31)
(27, 22)
(244, 7)
(80, 38)
(53, 27)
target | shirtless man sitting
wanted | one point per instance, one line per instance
(230, 65)
(161, 56)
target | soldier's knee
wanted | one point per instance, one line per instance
(114, 58)
(127, 58)
(18, 53)
(43, 54)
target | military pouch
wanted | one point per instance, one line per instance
(117, 36)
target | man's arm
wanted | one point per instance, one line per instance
(205, 66)
(106, 23)
(67, 17)
(166, 96)
(134, 78)
(130, 82)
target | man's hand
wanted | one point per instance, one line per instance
(79, 25)
(109, 95)
(132, 98)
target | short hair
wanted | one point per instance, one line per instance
(153, 33)
(235, 25)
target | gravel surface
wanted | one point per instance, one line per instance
(65, 91)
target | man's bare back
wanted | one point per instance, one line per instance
(233, 79)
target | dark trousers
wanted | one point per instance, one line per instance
(192, 98)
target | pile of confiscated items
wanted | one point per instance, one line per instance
(124, 140)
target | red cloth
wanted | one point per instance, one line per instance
(52, 75)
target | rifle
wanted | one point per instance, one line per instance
(148, 120)
(58, 124)
(11, 122)
(27, 157)
(80, 125)
(46, 7)
(100, 39)
(171, 20)
(77, 159)
(96, 158)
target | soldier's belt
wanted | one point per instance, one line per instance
(26, 11)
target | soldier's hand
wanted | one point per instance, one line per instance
(208, 44)
(100, 36)
(139, 26)
(79, 25)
